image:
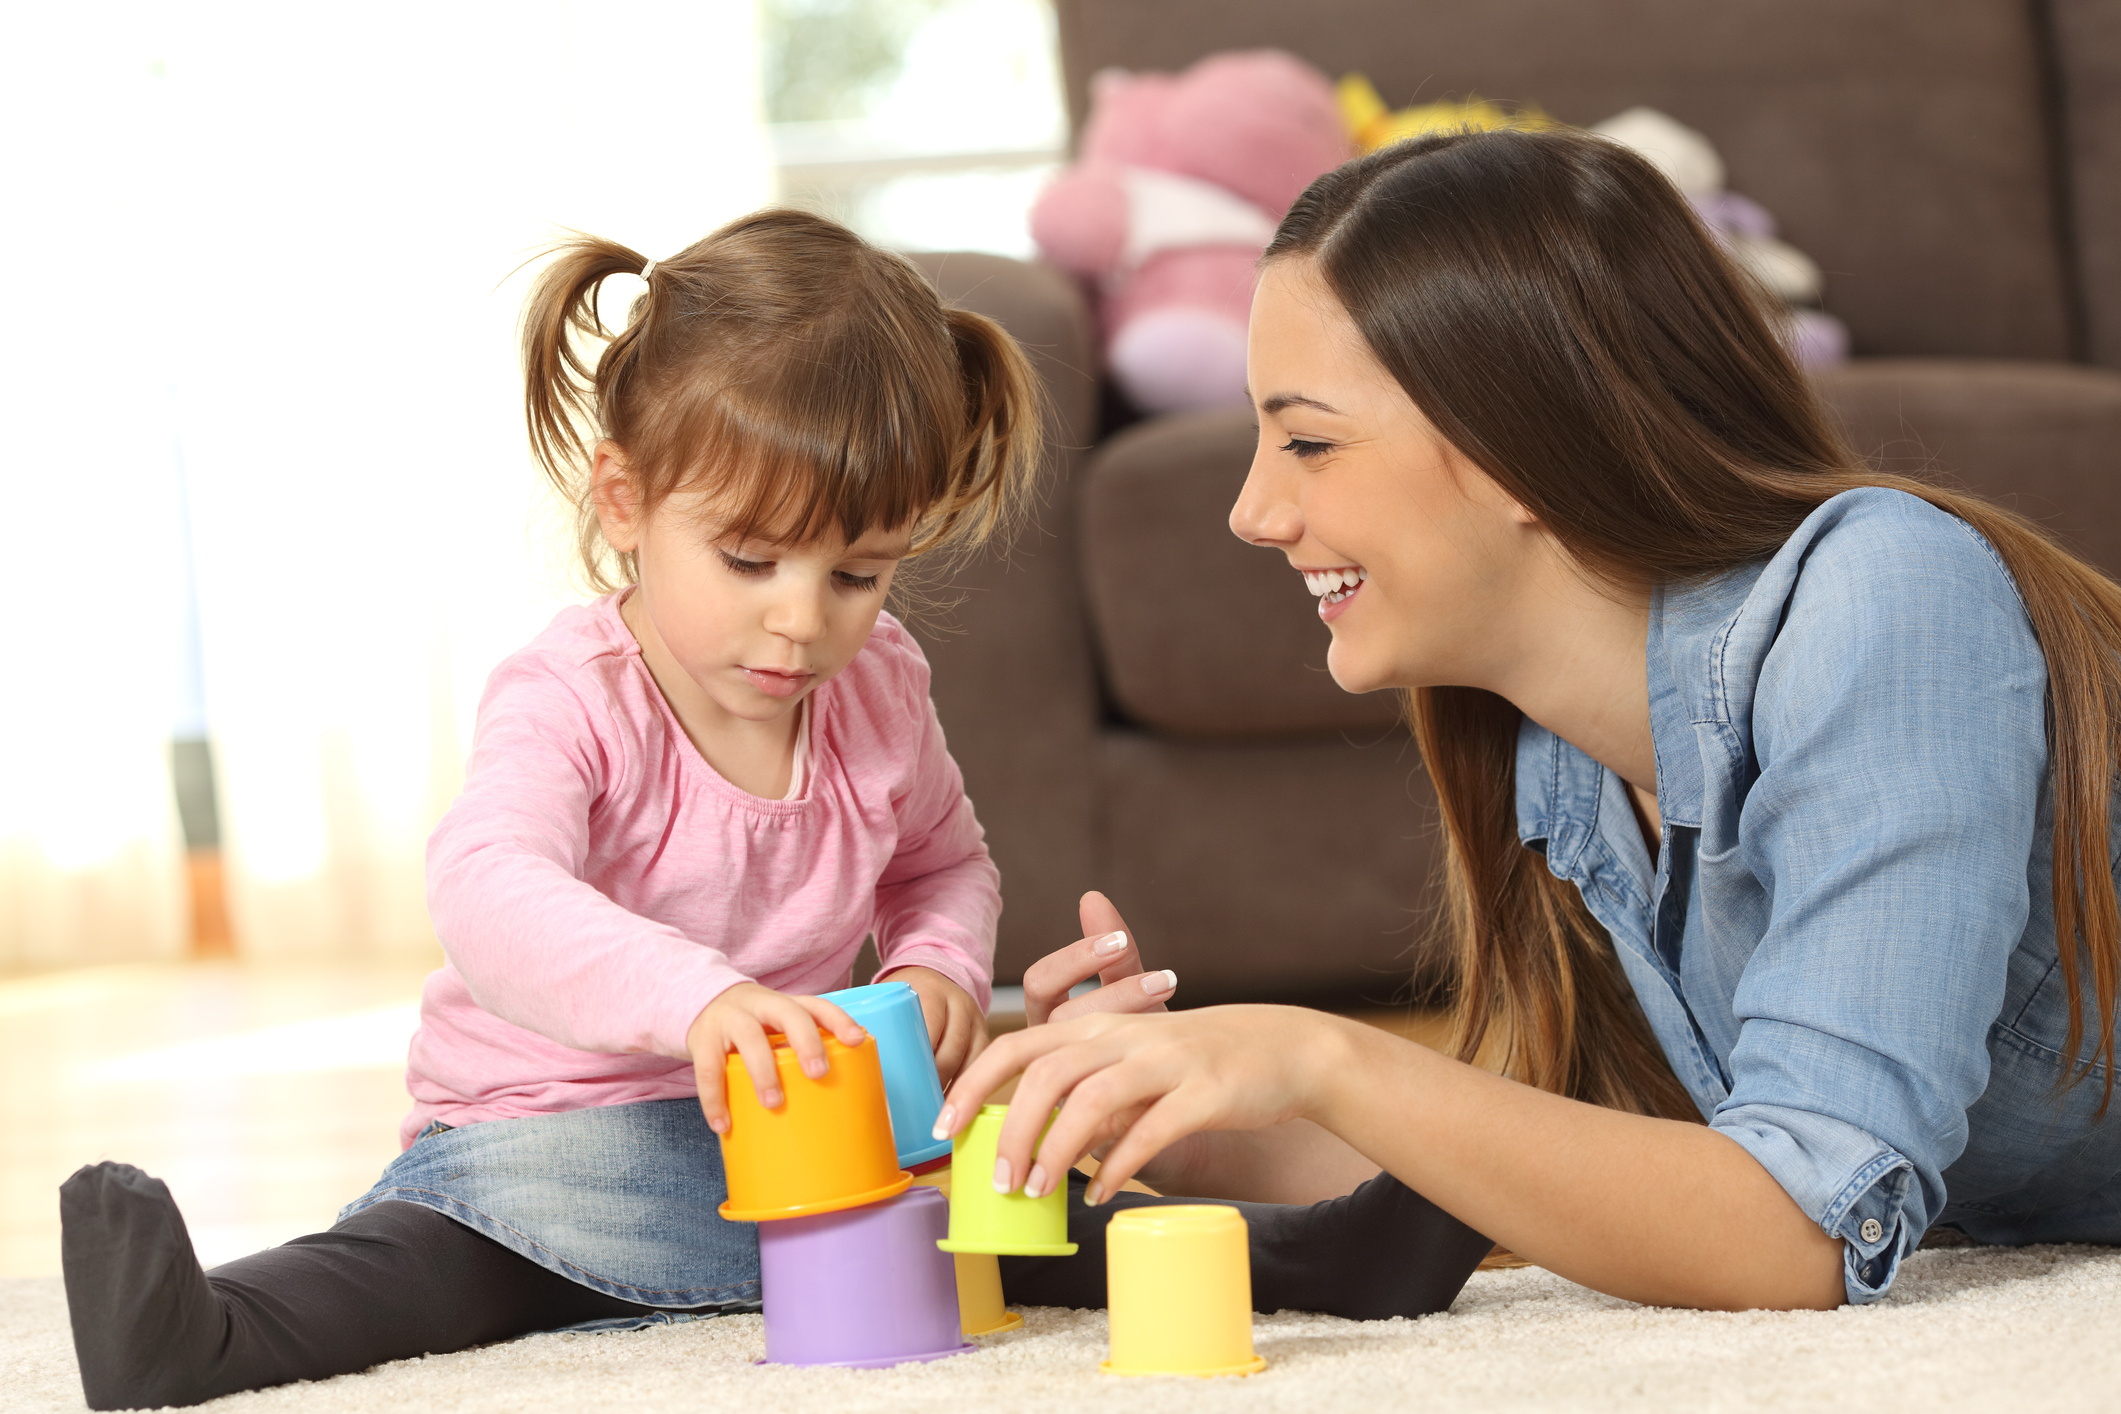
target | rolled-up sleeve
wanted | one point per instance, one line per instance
(1898, 725)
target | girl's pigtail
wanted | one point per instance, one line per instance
(1003, 445)
(566, 391)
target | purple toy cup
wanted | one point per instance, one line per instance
(863, 1286)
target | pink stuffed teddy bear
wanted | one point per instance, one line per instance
(1180, 182)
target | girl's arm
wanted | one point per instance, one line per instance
(1651, 1210)
(536, 945)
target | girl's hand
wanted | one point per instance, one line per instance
(1107, 952)
(956, 1030)
(1141, 1084)
(738, 1020)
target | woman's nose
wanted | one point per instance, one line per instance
(1266, 512)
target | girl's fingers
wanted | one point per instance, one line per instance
(955, 1047)
(825, 1014)
(1147, 991)
(710, 1073)
(748, 1039)
(795, 1022)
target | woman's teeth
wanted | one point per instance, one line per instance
(1335, 585)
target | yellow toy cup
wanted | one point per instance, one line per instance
(980, 1310)
(982, 1220)
(1178, 1286)
(979, 1295)
(827, 1147)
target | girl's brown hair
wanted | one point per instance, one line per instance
(1550, 303)
(810, 381)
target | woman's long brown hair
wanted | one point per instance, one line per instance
(810, 381)
(1550, 303)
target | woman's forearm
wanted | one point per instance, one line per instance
(1294, 1162)
(1652, 1210)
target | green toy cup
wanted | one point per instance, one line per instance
(1007, 1224)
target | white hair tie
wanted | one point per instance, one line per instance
(648, 269)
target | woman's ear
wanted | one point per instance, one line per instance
(617, 499)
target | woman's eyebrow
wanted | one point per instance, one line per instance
(1294, 400)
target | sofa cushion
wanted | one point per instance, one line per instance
(2041, 438)
(2087, 42)
(1272, 870)
(1902, 146)
(1200, 633)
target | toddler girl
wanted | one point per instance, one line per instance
(688, 804)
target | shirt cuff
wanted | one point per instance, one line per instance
(1854, 1186)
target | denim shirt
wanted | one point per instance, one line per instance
(1846, 945)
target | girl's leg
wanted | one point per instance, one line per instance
(392, 1281)
(1383, 1250)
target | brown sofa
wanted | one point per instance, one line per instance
(1139, 700)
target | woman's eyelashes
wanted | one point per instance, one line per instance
(1305, 450)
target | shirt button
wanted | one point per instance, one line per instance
(1871, 1230)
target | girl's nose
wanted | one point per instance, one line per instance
(797, 616)
(1266, 512)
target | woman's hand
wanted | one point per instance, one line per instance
(1107, 952)
(738, 1020)
(1140, 1084)
(956, 1030)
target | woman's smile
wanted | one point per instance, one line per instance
(1334, 587)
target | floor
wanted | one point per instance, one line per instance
(265, 1095)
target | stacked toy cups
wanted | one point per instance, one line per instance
(848, 1253)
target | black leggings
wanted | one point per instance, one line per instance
(397, 1280)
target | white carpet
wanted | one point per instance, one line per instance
(1965, 1328)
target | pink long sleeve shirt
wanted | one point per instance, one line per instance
(598, 883)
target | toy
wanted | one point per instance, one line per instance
(826, 1148)
(891, 1012)
(1372, 125)
(980, 1306)
(865, 1287)
(1008, 1224)
(1179, 1289)
(1744, 227)
(1179, 183)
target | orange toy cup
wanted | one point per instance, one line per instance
(827, 1147)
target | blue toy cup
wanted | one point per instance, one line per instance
(891, 1012)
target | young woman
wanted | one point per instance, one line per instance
(1777, 792)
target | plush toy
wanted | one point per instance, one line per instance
(1817, 338)
(1373, 125)
(1180, 181)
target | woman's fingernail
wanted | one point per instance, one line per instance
(1158, 983)
(1109, 944)
(1001, 1176)
(1093, 1195)
(944, 1118)
(1035, 1182)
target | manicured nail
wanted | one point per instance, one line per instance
(1094, 1194)
(1109, 944)
(944, 1118)
(1001, 1176)
(1158, 983)
(1035, 1182)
